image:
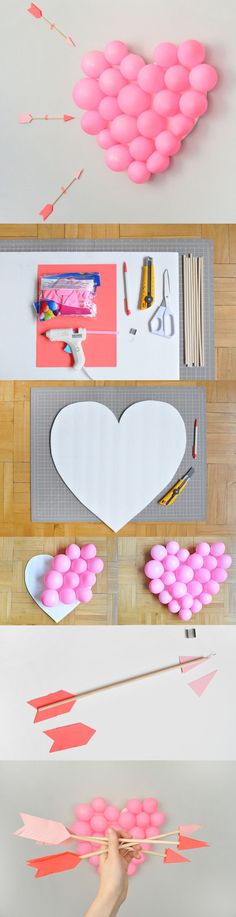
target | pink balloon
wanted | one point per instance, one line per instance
(127, 820)
(109, 108)
(95, 565)
(67, 596)
(84, 594)
(193, 104)
(158, 551)
(118, 158)
(203, 575)
(87, 579)
(72, 551)
(53, 580)
(217, 548)
(134, 806)
(105, 140)
(212, 587)
(203, 78)
(206, 598)
(141, 148)
(143, 819)
(210, 563)
(99, 803)
(79, 566)
(138, 833)
(98, 823)
(131, 65)
(61, 563)
(150, 832)
(165, 54)
(111, 81)
(178, 590)
(203, 548)
(138, 172)
(132, 869)
(155, 586)
(157, 162)
(166, 103)
(111, 813)
(179, 125)
(124, 128)
(168, 578)
(49, 598)
(172, 547)
(92, 122)
(167, 144)
(149, 805)
(190, 53)
(93, 63)
(71, 579)
(94, 860)
(133, 100)
(186, 601)
(196, 607)
(115, 51)
(195, 588)
(177, 78)
(185, 614)
(174, 607)
(165, 597)
(219, 575)
(88, 551)
(154, 568)
(225, 561)
(151, 78)
(150, 124)
(87, 94)
(84, 811)
(82, 827)
(184, 574)
(183, 555)
(195, 561)
(171, 562)
(84, 847)
(158, 819)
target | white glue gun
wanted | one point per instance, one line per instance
(72, 339)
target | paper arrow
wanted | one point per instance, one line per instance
(189, 662)
(48, 208)
(188, 843)
(72, 736)
(27, 119)
(42, 830)
(38, 14)
(59, 862)
(171, 857)
(54, 699)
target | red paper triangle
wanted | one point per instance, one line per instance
(59, 862)
(39, 702)
(172, 857)
(72, 736)
(200, 685)
(188, 843)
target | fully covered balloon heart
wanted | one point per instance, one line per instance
(185, 581)
(141, 112)
(141, 818)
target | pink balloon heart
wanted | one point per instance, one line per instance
(195, 576)
(141, 818)
(159, 102)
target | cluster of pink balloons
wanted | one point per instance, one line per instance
(141, 819)
(141, 112)
(72, 576)
(185, 581)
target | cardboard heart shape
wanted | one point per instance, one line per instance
(141, 112)
(35, 570)
(116, 468)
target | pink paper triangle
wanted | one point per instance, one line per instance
(184, 829)
(191, 665)
(200, 685)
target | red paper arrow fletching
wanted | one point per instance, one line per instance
(172, 857)
(188, 843)
(35, 11)
(39, 702)
(59, 862)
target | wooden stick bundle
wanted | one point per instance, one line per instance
(193, 295)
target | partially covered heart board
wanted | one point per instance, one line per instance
(59, 584)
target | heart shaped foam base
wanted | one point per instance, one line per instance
(140, 818)
(184, 581)
(35, 571)
(116, 468)
(141, 112)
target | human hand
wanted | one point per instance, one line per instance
(114, 873)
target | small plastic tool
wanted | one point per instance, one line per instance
(147, 292)
(162, 322)
(177, 489)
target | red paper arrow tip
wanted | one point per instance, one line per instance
(60, 862)
(172, 857)
(188, 843)
(35, 11)
(56, 696)
(69, 117)
(73, 736)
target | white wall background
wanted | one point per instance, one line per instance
(38, 72)
(159, 718)
(201, 793)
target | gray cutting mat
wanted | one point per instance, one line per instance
(52, 501)
(183, 246)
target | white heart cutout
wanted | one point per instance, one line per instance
(116, 468)
(35, 570)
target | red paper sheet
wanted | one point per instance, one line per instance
(72, 736)
(99, 349)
